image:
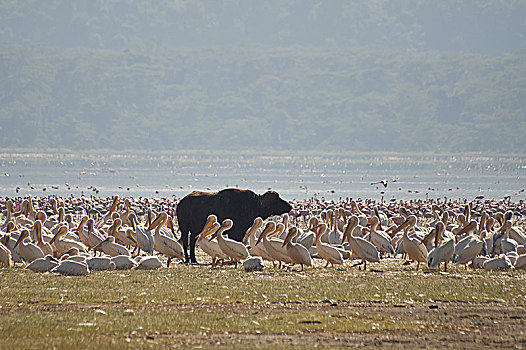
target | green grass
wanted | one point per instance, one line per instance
(156, 308)
(196, 285)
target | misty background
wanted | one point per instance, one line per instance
(273, 75)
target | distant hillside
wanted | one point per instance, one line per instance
(264, 75)
(489, 27)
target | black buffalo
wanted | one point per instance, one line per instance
(241, 206)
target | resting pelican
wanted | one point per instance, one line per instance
(111, 248)
(210, 246)
(507, 244)
(9, 242)
(44, 264)
(235, 250)
(143, 236)
(297, 253)
(61, 245)
(360, 247)
(28, 251)
(412, 246)
(123, 262)
(164, 244)
(72, 268)
(274, 246)
(100, 263)
(443, 252)
(515, 232)
(520, 263)
(469, 247)
(326, 251)
(149, 263)
(501, 262)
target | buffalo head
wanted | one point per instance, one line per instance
(271, 204)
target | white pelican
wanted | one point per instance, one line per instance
(210, 246)
(307, 239)
(100, 263)
(297, 252)
(149, 263)
(45, 247)
(235, 250)
(257, 249)
(9, 242)
(8, 216)
(28, 251)
(363, 221)
(123, 262)
(111, 248)
(5, 256)
(520, 263)
(94, 236)
(164, 244)
(515, 232)
(479, 261)
(412, 246)
(360, 247)
(469, 247)
(44, 264)
(501, 262)
(507, 244)
(121, 236)
(109, 214)
(326, 251)
(380, 239)
(274, 246)
(82, 231)
(443, 252)
(72, 268)
(61, 245)
(142, 235)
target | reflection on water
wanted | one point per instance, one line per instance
(294, 177)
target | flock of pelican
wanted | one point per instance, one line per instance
(121, 238)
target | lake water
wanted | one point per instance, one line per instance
(293, 176)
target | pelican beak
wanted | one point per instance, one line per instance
(170, 224)
(503, 228)
(210, 221)
(270, 227)
(155, 223)
(288, 238)
(131, 236)
(100, 244)
(211, 229)
(401, 227)
(55, 237)
(23, 236)
(428, 236)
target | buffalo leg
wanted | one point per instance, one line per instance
(184, 239)
(193, 239)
